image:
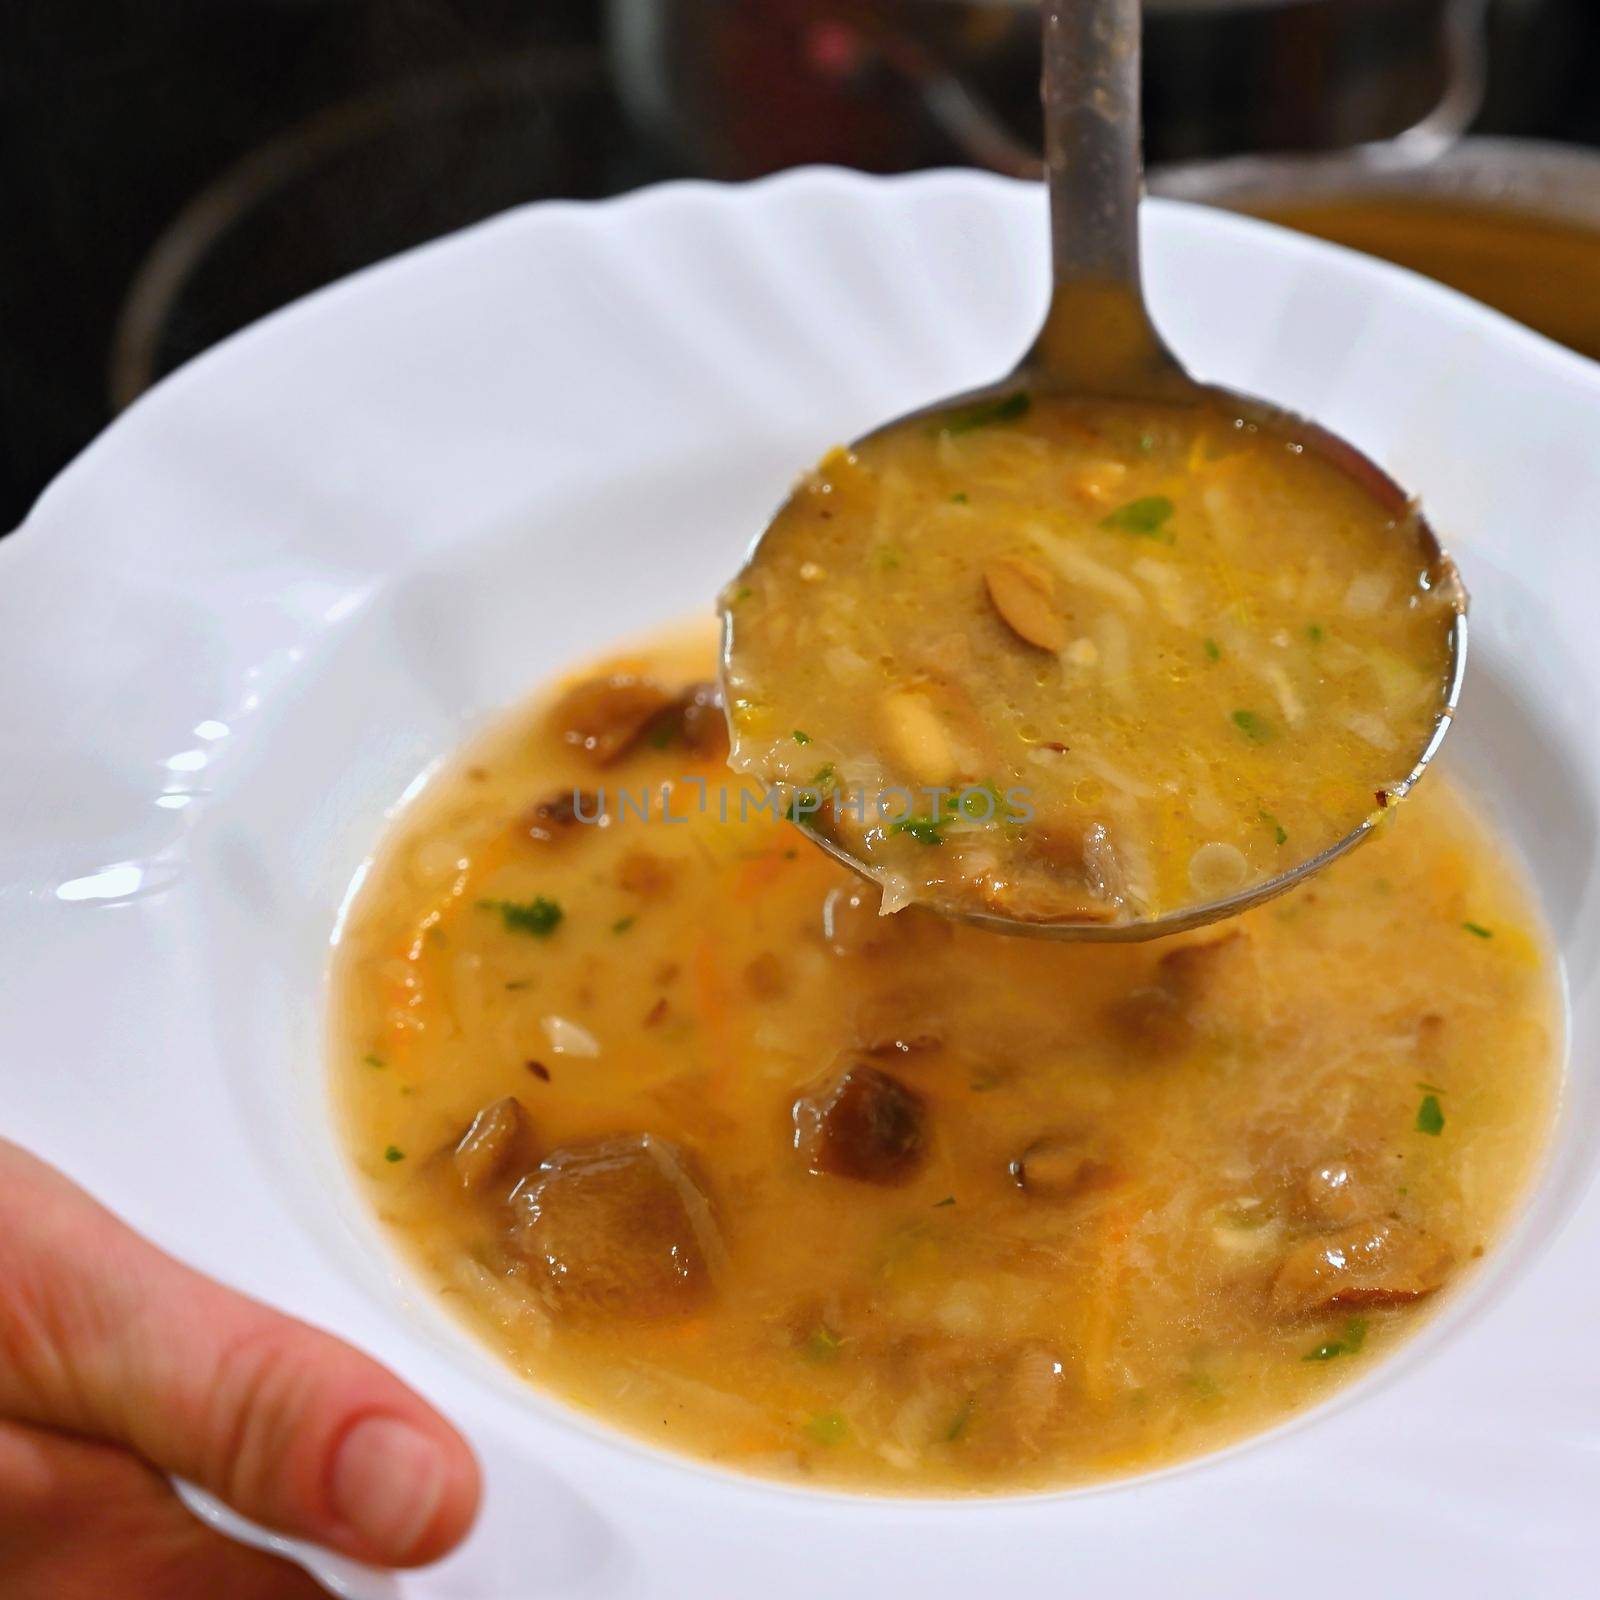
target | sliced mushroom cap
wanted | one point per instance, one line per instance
(606, 717)
(1024, 1407)
(617, 1229)
(851, 923)
(496, 1149)
(1070, 875)
(1062, 1166)
(1194, 972)
(765, 976)
(702, 724)
(1189, 994)
(562, 815)
(862, 1124)
(644, 873)
(1151, 1019)
(1334, 1193)
(1368, 1264)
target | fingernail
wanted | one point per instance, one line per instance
(388, 1480)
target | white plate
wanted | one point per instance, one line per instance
(311, 563)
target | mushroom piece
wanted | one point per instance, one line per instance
(1061, 1166)
(1023, 1407)
(1162, 1017)
(693, 719)
(862, 1124)
(1370, 1264)
(701, 723)
(908, 1018)
(617, 1228)
(851, 923)
(645, 874)
(561, 815)
(1063, 876)
(1334, 1193)
(606, 717)
(496, 1149)
(765, 976)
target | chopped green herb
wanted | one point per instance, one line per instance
(394, 1153)
(1314, 633)
(828, 1427)
(1430, 1119)
(1478, 931)
(823, 1344)
(804, 804)
(823, 778)
(374, 1061)
(743, 592)
(1278, 831)
(1007, 410)
(538, 916)
(1429, 1088)
(1354, 1336)
(958, 1423)
(1147, 442)
(1145, 517)
(970, 803)
(959, 499)
(1205, 1385)
(925, 830)
(622, 924)
(949, 1200)
(1253, 726)
(1212, 652)
(801, 736)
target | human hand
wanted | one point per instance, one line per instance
(118, 1366)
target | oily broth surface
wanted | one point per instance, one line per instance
(1231, 649)
(955, 1332)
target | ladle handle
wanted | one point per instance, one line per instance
(1097, 336)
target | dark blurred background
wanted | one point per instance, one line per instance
(172, 169)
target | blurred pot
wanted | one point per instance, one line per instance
(733, 88)
(1514, 223)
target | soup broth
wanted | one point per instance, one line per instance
(1086, 662)
(704, 1145)
(1540, 270)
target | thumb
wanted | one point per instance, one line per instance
(102, 1334)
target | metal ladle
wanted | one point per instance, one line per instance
(1098, 341)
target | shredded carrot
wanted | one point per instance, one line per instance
(755, 1441)
(490, 855)
(1104, 1300)
(711, 1004)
